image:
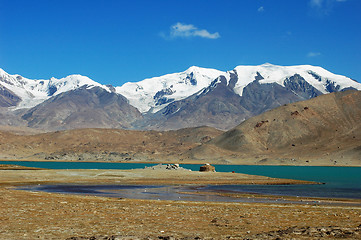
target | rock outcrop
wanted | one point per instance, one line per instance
(207, 168)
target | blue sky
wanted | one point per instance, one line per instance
(114, 42)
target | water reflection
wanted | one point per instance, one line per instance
(187, 193)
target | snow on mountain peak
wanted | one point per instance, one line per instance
(33, 92)
(318, 77)
(268, 65)
(192, 69)
(2, 72)
(153, 94)
(71, 82)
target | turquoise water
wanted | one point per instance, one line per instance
(340, 182)
(331, 175)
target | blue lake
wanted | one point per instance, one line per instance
(340, 182)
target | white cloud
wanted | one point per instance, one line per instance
(313, 54)
(324, 7)
(316, 3)
(188, 31)
(260, 9)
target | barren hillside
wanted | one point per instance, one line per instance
(104, 144)
(322, 131)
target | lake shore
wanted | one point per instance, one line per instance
(245, 161)
(145, 176)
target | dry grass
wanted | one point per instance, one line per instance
(33, 215)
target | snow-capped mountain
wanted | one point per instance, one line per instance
(34, 92)
(321, 79)
(230, 98)
(195, 97)
(153, 94)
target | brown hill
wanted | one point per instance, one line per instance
(104, 144)
(325, 130)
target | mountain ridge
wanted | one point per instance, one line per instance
(83, 107)
(273, 74)
(195, 97)
(33, 92)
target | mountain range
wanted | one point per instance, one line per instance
(325, 130)
(195, 97)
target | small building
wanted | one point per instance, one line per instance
(207, 168)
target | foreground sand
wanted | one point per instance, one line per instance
(34, 215)
(28, 215)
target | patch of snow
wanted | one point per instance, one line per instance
(34, 92)
(141, 94)
(277, 74)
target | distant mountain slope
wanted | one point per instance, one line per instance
(322, 131)
(104, 144)
(83, 108)
(215, 106)
(8, 98)
(10, 118)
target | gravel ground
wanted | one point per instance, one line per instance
(39, 215)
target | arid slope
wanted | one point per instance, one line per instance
(322, 131)
(104, 144)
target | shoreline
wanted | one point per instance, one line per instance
(188, 193)
(158, 177)
(145, 176)
(187, 162)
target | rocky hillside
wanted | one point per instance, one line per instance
(82, 108)
(104, 144)
(325, 130)
(216, 106)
